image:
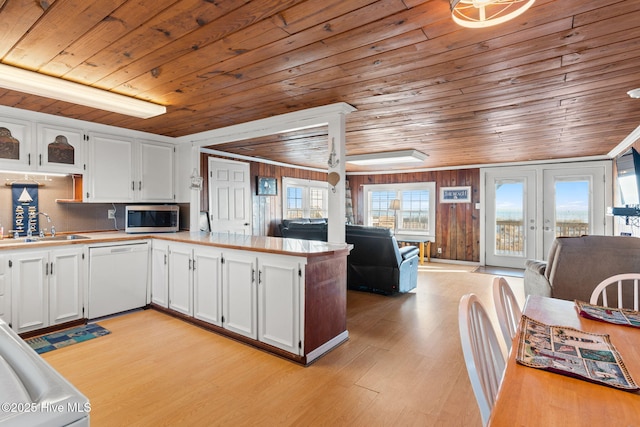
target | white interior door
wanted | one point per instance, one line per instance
(510, 217)
(229, 196)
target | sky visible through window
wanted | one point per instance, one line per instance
(572, 200)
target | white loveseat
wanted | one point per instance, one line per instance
(32, 393)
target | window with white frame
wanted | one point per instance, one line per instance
(416, 207)
(305, 198)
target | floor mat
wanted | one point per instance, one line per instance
(499, 271)
(67, 337)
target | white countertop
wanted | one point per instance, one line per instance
(278, 245)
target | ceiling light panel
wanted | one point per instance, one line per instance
(20, 80)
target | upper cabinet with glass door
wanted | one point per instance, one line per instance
(15, 144)
(60, 149)
(54, 149)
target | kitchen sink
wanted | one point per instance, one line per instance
(34, 239)
(63, 237)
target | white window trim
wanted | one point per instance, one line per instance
(430, 186)
(307, 183)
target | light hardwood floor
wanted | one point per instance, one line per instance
(402, 366)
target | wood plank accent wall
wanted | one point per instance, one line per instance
(267, 210)
(457, 224)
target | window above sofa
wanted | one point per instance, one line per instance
(305, 198)
(417, 207)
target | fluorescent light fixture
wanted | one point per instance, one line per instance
(635, 93)
(402, 156)
(27, 174)
(485, 13)
(63, 90)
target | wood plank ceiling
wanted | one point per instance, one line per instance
(550, 84)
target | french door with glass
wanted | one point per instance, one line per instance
(527, 208)
(510, 206)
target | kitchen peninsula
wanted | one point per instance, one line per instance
(285, 296)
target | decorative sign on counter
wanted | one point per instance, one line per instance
(25, 207)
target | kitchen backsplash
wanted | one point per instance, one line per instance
(67, 217)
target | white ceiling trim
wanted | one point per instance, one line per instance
(304, 119)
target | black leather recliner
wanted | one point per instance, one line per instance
(377, 264)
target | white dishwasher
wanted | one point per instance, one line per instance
(117, 278)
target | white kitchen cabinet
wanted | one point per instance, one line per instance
(292, 304)
(110, 176)
(125, 170)
(5, 290)
(279, 301)
(40, 147)
(160, 273)
(180, 278)
(60, 149)
(194, 281)
(239, 294)
(156, 172)
(30, 279)
(254, 296)
(207, 284)
(15, 144)
(65, 285)
(46, 286)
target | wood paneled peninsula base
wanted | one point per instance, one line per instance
(285, 296)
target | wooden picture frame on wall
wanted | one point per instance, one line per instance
(455, 194)
(267, 186)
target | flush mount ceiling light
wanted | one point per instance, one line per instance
(635, 93)
(402, 156)
(485, 13)
(63, 90)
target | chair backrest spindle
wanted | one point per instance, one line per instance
(507, 309)
(620, 281)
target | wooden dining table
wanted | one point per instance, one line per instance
(534, 397)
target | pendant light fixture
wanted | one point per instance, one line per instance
(485, 13)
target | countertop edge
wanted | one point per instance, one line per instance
(264, 244)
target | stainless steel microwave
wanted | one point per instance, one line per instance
(152, 218)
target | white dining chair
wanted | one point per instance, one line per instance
(507, 308)
(620, 281)
(482, 353)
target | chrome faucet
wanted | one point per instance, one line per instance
(42, 230)
(46, 215)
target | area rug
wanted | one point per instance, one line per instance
(499, 271)
(45, 343)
